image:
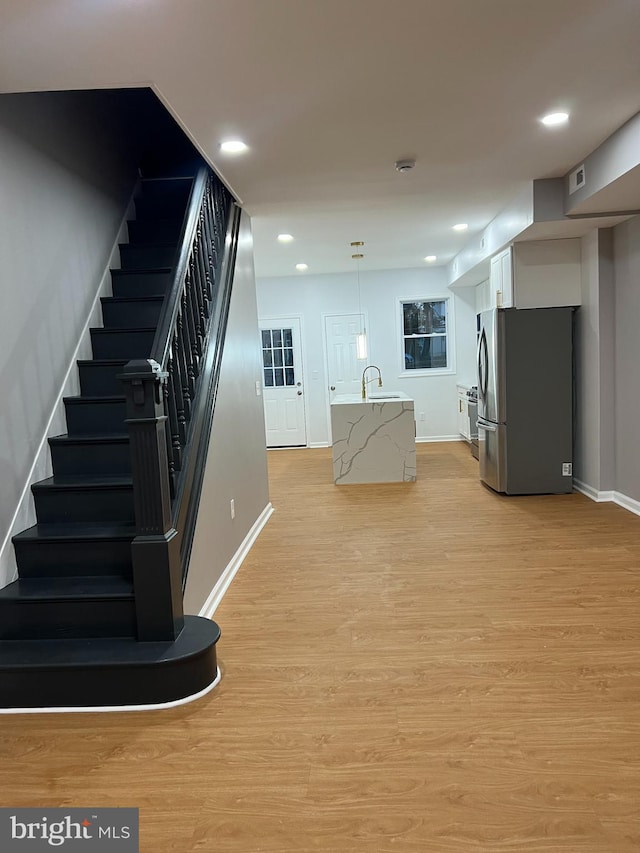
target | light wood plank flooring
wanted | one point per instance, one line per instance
(415, 667)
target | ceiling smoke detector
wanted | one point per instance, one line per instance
(404, 165)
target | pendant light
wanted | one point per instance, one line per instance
(361, 337)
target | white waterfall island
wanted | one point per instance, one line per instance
(374, 440)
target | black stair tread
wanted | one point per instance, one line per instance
(84, 398)
(75, 481)
(129, 299)
(98, 330)
(58, 531)
(104, 362)
(196, 637)
(158, 244)
(107, 438)
(47, 588)
(141, 271)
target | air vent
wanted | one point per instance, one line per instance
(577, 179)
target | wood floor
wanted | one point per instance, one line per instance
(415, 668)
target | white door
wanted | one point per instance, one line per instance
(282, 383)
(344, 369)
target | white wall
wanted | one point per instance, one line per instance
(65, 181)
(627, 357)
(595, 366)
(312, 297)
(237, 459)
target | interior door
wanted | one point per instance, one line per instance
(344, 369)
(283, 383)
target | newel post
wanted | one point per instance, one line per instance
(157, 573)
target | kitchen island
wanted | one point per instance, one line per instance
(374, 440)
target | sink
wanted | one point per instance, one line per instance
(383, 396)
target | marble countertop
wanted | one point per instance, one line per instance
(378, 396)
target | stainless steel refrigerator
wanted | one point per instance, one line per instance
(525, 400)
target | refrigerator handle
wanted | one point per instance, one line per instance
(483, 368)
(488, 427)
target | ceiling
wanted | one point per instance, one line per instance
(328, 94)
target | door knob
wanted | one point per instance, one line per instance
(299, 393)
(333, 387)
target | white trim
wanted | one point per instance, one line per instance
(217, 593)
(591, 492)
(24, 514)
(316, 444)
(630, 504)
(424, 439)
(110, 709)
(622, 500)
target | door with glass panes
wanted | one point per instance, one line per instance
(282, 381)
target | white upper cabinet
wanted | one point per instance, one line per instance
(536, 274)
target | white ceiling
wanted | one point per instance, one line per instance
(329, 93)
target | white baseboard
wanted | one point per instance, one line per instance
(313, 444)
(591, 492)
(423, 439)
(624, 501)
(217, 593)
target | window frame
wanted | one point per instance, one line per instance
(448, 335)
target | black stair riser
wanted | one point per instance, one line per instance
(100, 380)
(104, 459)
(96, 418)
(67, 618)
(143, 257)
(130, 315)
(132, 283)
(154, 230)
(84, 504)
(160, 208)
(171, 189)
(115, 673)
(127, 344)
(74, 558)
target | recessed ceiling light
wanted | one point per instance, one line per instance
(461, 226)
(285, 238)
(555, 119)
(302, 267)
(430, 259)
(233, 146)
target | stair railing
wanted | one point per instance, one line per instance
(170, 399)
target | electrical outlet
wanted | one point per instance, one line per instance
(232, 507)
(567, 469)
(422, 416)
(258, 388)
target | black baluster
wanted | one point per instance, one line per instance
(180, 382)
(183, 354)
(188, 336)
(174, 426)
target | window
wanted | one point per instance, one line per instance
(425, 335)
(277, 357)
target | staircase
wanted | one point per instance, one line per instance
(71, 631)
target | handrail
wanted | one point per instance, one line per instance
(170, 399)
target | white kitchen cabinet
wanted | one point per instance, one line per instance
(536, 274)
(464, 426)
(501, 279)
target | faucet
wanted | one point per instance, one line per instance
(365, 382)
